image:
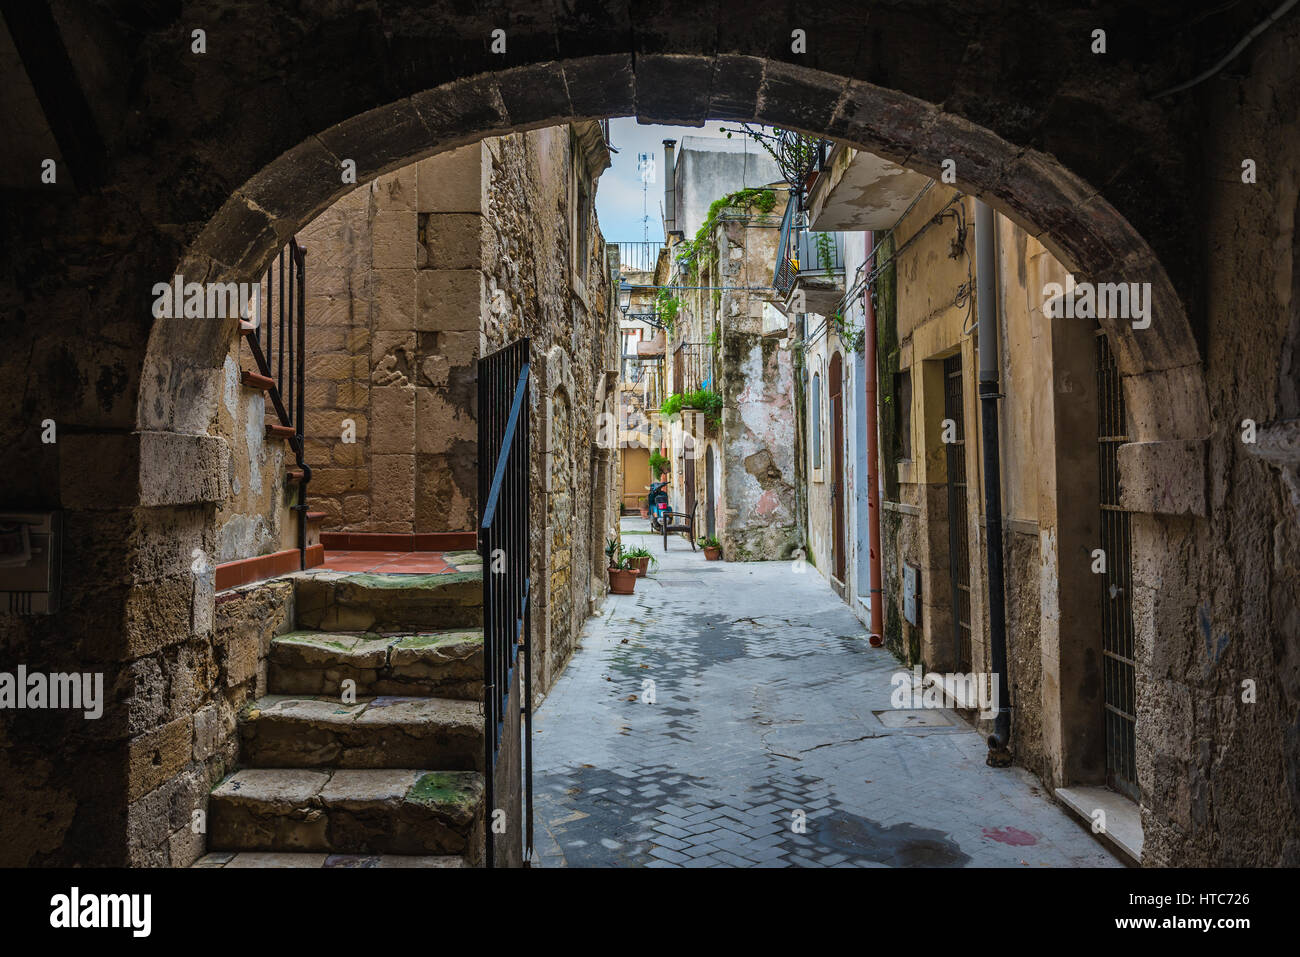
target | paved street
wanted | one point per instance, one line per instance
(766, 696)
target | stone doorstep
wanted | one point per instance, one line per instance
(287, 731)
(367, 602)
(397, 811)
(1123, 818)
(273, 859)
(443, 664)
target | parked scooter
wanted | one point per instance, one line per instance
(658, 504)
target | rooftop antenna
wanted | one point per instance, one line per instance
(645, 165)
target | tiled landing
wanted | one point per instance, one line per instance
(399, 562)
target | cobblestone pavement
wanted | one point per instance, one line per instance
(766, 695)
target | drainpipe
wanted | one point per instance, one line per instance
(670, 188)
(873, 451)
(999, 754)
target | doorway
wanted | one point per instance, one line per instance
(710, 490)
(958, 531)
(836, 386)
(1119, 674)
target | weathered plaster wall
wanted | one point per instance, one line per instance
(255, 519)
(565, 307)
(756, 380)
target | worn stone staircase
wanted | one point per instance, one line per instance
(368, 750)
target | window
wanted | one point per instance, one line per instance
(582, 245)
(817, 422)
(903, 415)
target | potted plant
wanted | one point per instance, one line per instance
(660, 465)
(622, 574)
(641, 558)
(712, 547)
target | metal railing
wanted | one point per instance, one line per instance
(692, 367)
(639, 255)
(278, 346)
(800, 252)
(503, 542)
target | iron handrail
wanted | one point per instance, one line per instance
(503, 542)
(287, 393)
(498, 474)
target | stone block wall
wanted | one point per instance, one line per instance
(188, 696)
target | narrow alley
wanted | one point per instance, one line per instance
(768, 701)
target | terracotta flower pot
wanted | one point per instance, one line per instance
(622, 581)
(642, 566)
(713, 554)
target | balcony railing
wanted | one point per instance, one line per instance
(805, 253)
(692, 367)
(638, 256)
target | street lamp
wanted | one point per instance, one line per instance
(624, 297)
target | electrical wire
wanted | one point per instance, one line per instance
(1231, 54)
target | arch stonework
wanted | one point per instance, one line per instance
(1064, 144)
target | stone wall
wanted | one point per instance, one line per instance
(191, 694)
(564, 306)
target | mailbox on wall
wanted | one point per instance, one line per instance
(911, 594)
(29, 563)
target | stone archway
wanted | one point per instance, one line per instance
(1076, 224)
(180, 464)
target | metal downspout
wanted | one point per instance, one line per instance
(999, 754)
(870, 375)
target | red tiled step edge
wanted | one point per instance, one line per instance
(276, 431)
(256, 380)
(400, 542)
(248, 570)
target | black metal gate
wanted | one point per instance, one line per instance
(503, 543)
(958, 528)
(710, 490)
(1118, 675)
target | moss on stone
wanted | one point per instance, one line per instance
(437, 638)
(440, 788)
(398, 582)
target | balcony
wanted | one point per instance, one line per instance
(809, 275)
(858, 190)
(692, 367)
(638, 256)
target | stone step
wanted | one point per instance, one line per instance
(287, 731)
(361, 602)
(399, 811)
(445, 664)
(240, 859)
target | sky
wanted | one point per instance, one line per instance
(618, 193)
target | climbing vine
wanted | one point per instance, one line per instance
(701, 252)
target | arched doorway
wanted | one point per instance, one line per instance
(297, 197)
(1032, 187)
(835, 385)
